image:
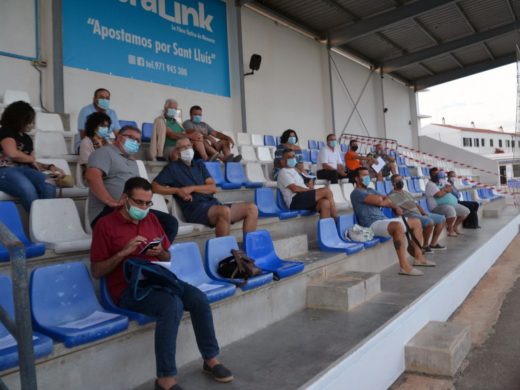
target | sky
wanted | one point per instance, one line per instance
(487, 98)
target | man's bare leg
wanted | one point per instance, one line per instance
(247, 212)
(220, 217)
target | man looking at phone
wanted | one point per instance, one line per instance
(125, 233)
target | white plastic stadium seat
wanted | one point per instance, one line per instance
(79, 177)
(339, 199)
(142, 169)
(264, 154)
(159, 203)
(56, 223)
(347, 190)
(255, 173)
(248, 153)
(72, 192)
(48, 122)
(51, 144)
(243, 139)
(11, 96)
(257, 139)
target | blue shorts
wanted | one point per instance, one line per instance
(426, 220)
(198, 212)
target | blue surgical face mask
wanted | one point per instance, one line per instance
(136, 213)
(103, 104)
(171, 112)
(291, 162)
(197, 118)
(366, 180)
(131, 146)
(103, 132)
(291, 140)
(333, 144)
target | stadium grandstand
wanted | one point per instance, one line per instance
(245, 86)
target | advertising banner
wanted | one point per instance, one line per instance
(182, 43)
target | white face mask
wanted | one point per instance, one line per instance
(187, 155)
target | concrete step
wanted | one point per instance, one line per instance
(438, 349)
(343, 292)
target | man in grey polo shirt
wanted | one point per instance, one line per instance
(108, 170)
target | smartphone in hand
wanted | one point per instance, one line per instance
(152, 244)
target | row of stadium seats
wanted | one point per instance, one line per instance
(65, 308)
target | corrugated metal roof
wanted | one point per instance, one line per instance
(424, 40)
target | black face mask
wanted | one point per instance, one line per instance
(435, 178)
(399, 185)
(354, 148)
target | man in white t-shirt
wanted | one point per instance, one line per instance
(297, 195)
(330, 166)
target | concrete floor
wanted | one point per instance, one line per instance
(288, 353)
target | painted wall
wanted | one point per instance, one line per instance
(291, 88)
(398, 118)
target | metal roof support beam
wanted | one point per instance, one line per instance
(459, 73)
(421, 55)
(240, 3)
(367, 26)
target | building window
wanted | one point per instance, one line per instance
(499, 143)
(491, 142)
(508, 143)
(476, 142)
(516, 170)
(482, 142)
(466, 141)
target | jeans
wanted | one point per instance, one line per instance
(168, 309)
(26, 183)
(168, 222)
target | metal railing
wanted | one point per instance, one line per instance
(21, 328)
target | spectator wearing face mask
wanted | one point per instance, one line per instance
(430, 222)
(166, 131)
(330, 165)
(367, 204)
(353, 160)
(216, 145)
(389, 168)
(193, 187)
(300, 196)
(471, 222)
(97, 131)
(107, 171)
(100, 103)
(441, 201)
(288, 141)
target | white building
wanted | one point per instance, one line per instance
(497, 145)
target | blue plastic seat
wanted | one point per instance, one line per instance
(306, 155)
(344, 148)
(235, 174)
(424, 204)
(186, 263)
(403, 171)
(417, 185)
(411, 186)
(146, 132)
(215, 172)
(466, 196)
(425, 171)
(259, 246)
(264, 200)
(388, 186)
(314, 156)
(380, 187)
(346, 222)
(278, 141)
(127, 123)
(280, 202)
(321, 144)
(269, 140)
(9, 353)
(218, 249)
(108, 303)
(312, 144)
(387, 211)
(64, 306)
(11, 219)
(329, 240)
